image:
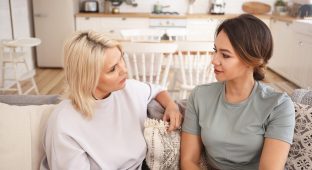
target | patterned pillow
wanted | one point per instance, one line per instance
(163, 148)
(300, 154)
(303, 96)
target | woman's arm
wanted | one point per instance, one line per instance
(63, 152)
(274, 154)
(172, 112)
(190, 151)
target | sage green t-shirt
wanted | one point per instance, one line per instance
(233, 134)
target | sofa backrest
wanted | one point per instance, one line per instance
(21, 134)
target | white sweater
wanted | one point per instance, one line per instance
(112, 139)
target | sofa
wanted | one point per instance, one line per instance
(23, 119)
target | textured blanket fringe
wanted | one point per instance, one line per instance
(155, 123)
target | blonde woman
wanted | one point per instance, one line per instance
(100, 125)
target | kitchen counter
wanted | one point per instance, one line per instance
(194, 16)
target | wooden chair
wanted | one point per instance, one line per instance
(194, 63)
(13, 54)
(146, 61)
(142, 34)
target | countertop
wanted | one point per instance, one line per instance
(193, 16)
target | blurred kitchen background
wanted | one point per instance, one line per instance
(52, 21)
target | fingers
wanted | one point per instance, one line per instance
(175, 121)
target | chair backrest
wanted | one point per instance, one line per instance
(149, 61)
(194, 60)
(142, 34)
(22, 42)
(177, 34)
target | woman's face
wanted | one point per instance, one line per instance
(227, 64)
(114, 73)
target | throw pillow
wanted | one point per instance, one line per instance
(303, 96)
(300, 154)
(21, 130)
(163, 147)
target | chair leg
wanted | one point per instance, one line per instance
(35, 85)
(18, 85)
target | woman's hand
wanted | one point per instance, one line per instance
(173, 116)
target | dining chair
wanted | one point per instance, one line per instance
(194, 62)
(14, 53)
(149, 61)
(142, 34)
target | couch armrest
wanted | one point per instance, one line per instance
(156, 111)
(23, 100)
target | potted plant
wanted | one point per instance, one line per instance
(280, 7)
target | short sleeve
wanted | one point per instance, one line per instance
(62, 152)
(146, 91)
(281, 122)
(153, 91)
(191, 121)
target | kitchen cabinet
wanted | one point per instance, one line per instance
(54, 23)
(111, 25)
(282, 58)
(302, 65)
(202, 29)
(292, 54)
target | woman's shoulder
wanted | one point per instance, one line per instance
(133, 85)
(210, 88)
(64, 113)
(267, 93)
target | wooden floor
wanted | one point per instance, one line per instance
(51, 81)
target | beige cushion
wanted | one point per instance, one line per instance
(21, 130)
(300, 154)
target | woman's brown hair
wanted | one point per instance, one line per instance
(251, 39)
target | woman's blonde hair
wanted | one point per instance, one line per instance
(83, 63)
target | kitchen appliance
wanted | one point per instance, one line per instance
(158, 8)
(116, 4)
(217, 7)
(54, 21)
(90, 6)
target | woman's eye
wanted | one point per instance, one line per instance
(214, 50)
(113, 69)
(225, 56)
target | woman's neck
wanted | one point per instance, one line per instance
(99, 95)
(238, 91)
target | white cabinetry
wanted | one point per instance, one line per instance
(302, 70)
(202, 29)
(292, 54)
(281, 61)
(111, 25)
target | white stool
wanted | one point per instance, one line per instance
(16, 54)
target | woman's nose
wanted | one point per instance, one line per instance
(123, 68)
(214, 59)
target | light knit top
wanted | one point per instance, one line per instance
(112, 139)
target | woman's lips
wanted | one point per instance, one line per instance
(217, 71)
(123, 81)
